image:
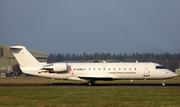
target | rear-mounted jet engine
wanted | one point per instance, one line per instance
(56, 67)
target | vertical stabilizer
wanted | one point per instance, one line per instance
(23, 56)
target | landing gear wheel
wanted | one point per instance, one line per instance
(90, 83)
(163, 83)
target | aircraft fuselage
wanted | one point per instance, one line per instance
(103, 71)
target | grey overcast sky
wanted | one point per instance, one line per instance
(77, 26)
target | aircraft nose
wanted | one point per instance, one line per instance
(173, 74)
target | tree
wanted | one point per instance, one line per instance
(166, 59)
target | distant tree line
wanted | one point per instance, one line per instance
(170, 61)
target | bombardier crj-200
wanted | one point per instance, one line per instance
(90, 72)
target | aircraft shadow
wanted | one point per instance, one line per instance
(85, 85)
(98, 84)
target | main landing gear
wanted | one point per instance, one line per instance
(90, 83)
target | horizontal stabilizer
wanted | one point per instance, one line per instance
(23, 56)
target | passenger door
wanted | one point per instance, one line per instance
(146, 71)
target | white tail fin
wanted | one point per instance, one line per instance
(23, 56)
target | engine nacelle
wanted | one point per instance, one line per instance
(56, 67)
(59, 67)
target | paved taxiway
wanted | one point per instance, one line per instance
(94, 86)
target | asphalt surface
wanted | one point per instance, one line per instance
(68, 85)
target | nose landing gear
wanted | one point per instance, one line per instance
(163, 82)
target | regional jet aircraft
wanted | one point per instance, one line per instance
(90, 72)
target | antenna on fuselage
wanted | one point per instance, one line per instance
(136, 61)
(104, 61)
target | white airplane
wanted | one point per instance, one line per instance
(90, 72)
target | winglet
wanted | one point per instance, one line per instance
(71, 72)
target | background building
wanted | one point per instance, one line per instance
(177, 71)
(2, 73)
(7, 59)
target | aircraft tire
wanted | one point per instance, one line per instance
(90, 83)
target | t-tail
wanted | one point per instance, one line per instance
(23, 56)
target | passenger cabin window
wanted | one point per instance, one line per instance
(160, 67)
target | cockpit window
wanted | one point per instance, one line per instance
(160, 67)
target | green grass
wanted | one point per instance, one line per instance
(39, 80)
(91, 97)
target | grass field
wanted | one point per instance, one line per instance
(39, 80)
(91, 97)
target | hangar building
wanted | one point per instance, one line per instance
(7, 59)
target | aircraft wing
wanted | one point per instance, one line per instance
(96, 78)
